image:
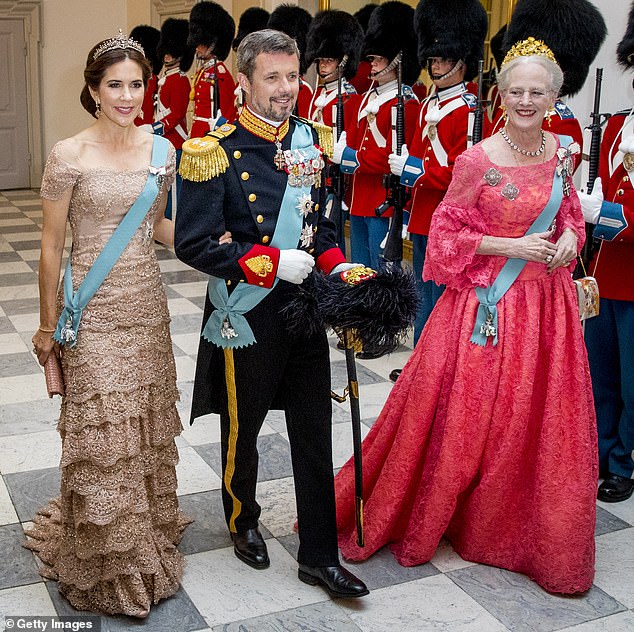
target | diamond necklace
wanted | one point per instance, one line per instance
(522, 151)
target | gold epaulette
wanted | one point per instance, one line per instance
(324, 135)
(204, 158)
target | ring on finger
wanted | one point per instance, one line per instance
(549, 258)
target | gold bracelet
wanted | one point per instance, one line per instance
(46, 331)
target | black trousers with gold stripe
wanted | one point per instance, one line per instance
(293, 373)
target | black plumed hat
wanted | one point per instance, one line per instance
(573, 29)
(390, 31)
(335, 34)
(625, 49)
(295, 22)
(253, 19)
(455, 29)
(148, 37)
(174, 42)
(363, 15)
(497, 49)
(211, 25)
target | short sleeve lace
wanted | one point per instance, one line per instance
(58, 176)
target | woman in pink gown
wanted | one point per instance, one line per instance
(494, 446)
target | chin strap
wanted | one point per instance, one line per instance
(458, 65)
(393, 64)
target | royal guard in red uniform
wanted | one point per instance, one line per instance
(574, 30)
(610, 335)
(494, 100)
(172, 96)
(361, 80)
(451, 37)
(148, 37)
(295, 22)
(211, 31)
(364, 149)
(332, 36)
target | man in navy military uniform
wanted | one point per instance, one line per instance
(261, 181)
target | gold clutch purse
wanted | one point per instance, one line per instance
(53, 375)
(587, 295)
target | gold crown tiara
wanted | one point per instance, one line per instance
(529, 46)
(120, 41)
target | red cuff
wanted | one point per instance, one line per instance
(259, 265)
(329, 259)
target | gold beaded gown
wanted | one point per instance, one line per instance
(110, 538)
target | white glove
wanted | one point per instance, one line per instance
(404, 231)
(397, 163)
(146, 127)
(591, 202)
(214, 121)
(342, 267)
(337, 151)
(294, 265)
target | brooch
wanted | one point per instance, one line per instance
(510, 191)
(306, 236)
(305, 205)
(492, 176)
(566, 165)
(159, 172)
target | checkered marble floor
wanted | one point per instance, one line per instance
(219, 592)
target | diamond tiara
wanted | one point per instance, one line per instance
(529, 46)
(119, 42)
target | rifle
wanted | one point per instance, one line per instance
(476, 134)
(396, 194)
(598, 120)
(335, 183)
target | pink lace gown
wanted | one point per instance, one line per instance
(110, 538)
(493, 447)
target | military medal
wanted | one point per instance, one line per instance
(628, 162)
(488, 328)
(432, 131)
(279, 160)
(565, 166)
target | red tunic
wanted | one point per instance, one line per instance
(323, 105)
(203, 96)
(146, 116)
(614, 262)
(304, 99)
(455, 108)
(171, 105)
(372, 139)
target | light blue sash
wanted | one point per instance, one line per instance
(486, 324)
(74, 304)
(227, 327)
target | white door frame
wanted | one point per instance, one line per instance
(29, 11)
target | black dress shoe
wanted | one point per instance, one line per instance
(250, 548)
(394, 374)
(615, 488)
(338, 581)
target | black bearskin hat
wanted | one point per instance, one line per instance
(253, 19)
(295, 22)
(335, 34)
(363, 15)
(497, 46)
(625, 49)
(174, 42)
(573, 29)
(211, 25)
(391, 30)
(148, 37)
(455, 29)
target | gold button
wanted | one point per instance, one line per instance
(244, 175)
(310, 252)
(620, 192)
(229, 282)
(265, 239)
(261, 283)
(316, 207)
(626, 178)
(252, 197)
(259, 219)
(426, 158)
(237, 154)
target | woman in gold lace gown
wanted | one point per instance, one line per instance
(110, 538)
